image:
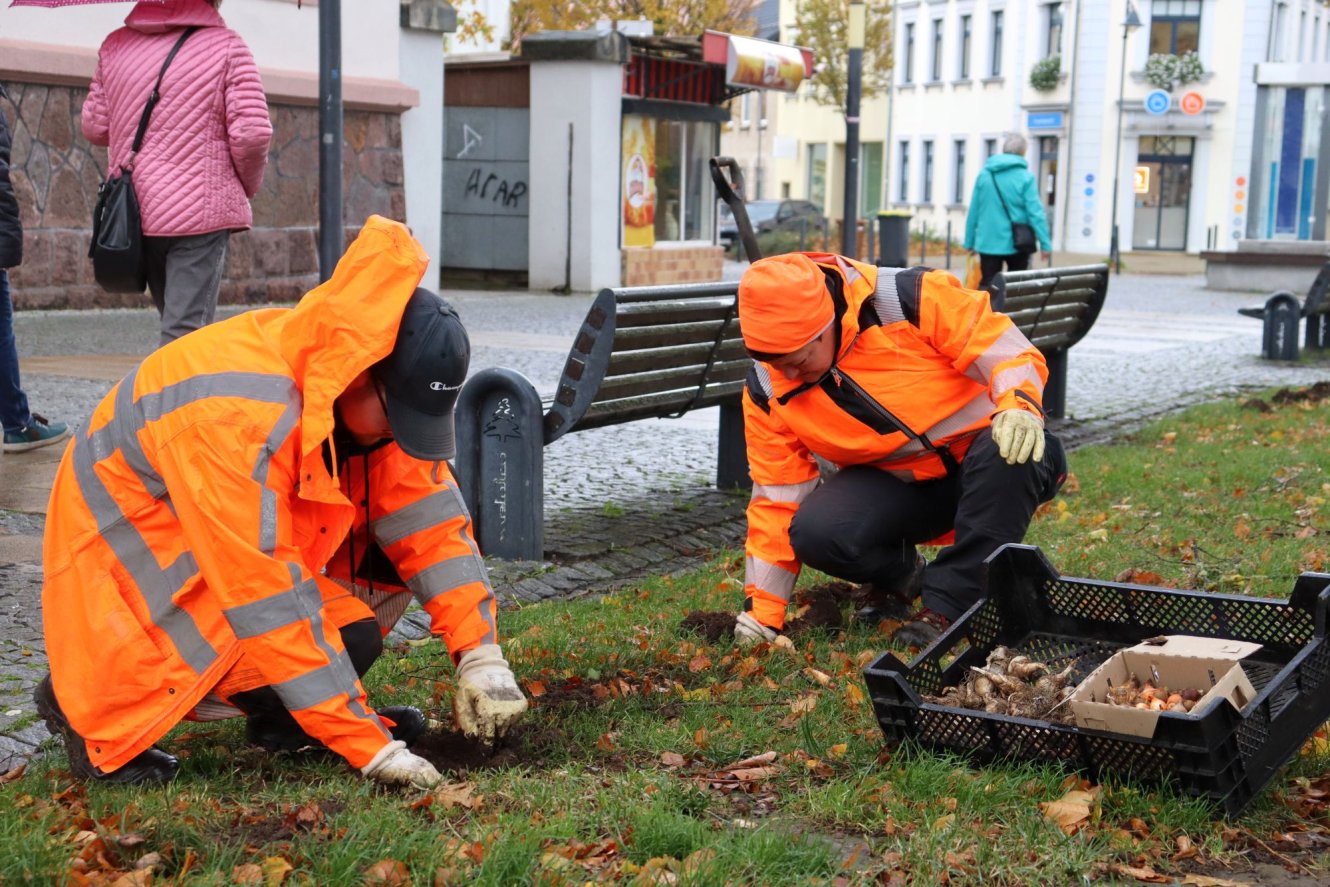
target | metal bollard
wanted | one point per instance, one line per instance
(923, 245)
(1279, 340)
(948, 246)
(501, 463)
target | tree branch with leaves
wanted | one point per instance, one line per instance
(824, 27)
(670, 18)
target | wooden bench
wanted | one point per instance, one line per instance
(661, 351)
(642, 352)
(1283, 311)
(1054, 308)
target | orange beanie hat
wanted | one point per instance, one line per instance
(783, 303)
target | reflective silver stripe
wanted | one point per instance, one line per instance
(431, 511)
(785, 492)
(1014, 377)
(775, 581)
(764, 379)
(281, 430)
(317, 686)
(976, 410)
(444, 576)
(886, 301)
(851, 273)
(1012, 343)
(157, 586)
(291, 606)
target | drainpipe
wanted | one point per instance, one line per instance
(1071, 118)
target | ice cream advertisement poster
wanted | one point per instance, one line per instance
(639, 180)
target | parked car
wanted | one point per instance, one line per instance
(796, 217)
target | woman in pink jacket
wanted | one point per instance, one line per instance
(204, 152)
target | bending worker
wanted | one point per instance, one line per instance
(928, 403)
(215, 530)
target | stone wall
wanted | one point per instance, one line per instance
(670, 263)
(56, 171)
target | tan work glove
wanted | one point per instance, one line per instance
(748, 631)
(488, 700)
(394, 765)
(1019, 435)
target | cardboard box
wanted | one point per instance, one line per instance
(1175, 661)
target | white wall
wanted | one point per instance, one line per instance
(587, 95)
(421, 67)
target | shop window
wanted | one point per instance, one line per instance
(817, 174)
(958, 173)
(928, 171)
(965, 47)
(1175, 26)
(995, 48)
(990, 148)
(684, 193)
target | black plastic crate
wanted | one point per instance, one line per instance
(1216, 753)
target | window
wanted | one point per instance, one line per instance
(995, 50)
(1053, 45)
(928, 171)
(1302, 29)
(870, 182)
(684, 193)
(907, 57)
(1175, 26)
(817, 173)
(745, 110)
(1276, 53)
(990, 148)
(935, 73)
(965, 47)
(903, 191)
(958, 173)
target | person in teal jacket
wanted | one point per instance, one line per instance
(988, 224)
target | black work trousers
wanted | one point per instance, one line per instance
(862, 525)
(989, 266)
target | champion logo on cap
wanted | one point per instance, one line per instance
(439, 386)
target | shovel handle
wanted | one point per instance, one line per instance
(729, 188)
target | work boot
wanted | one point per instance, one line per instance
(277, 731)
(925, 627)
(150, 767)
(895, 601)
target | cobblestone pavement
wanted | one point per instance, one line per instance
(622, 502)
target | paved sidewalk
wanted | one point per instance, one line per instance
(622, 502)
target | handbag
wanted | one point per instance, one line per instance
(1022, 235)
(116, 250)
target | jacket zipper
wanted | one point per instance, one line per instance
(944, 456)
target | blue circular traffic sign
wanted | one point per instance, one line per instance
(1157, 102)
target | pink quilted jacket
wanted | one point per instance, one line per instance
(207, 142)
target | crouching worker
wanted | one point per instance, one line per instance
(211, 528)
(930, 405)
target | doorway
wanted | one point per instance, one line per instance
(1163, 193)
(1048, 177)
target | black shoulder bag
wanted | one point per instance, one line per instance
(117, 234)
(1022, 235)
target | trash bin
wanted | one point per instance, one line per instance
(893, 230)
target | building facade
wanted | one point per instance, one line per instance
(1110, 102)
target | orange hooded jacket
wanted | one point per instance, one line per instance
(918, 352)
(192, 517)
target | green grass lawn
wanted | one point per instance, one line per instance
(632, 766)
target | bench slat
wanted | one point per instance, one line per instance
(1061, 297)
(1065, 281)
(637, 338)
(617, 411)
(673, 291)
(624, 362)
(672, 311)
(1031, 318)
(683, 378)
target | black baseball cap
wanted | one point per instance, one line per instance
(422, 376)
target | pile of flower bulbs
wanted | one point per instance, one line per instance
(1153, 696)
(1012, 684)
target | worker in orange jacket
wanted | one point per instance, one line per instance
(217, 528)
(929, 404)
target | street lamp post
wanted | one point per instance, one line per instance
(853, 71)
(1130, 23)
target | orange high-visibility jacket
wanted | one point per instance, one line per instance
(192, 516)
(917, 352)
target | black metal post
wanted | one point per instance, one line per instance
(331, 234)
(1115, 251)
(853, 71)
(948, 246)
